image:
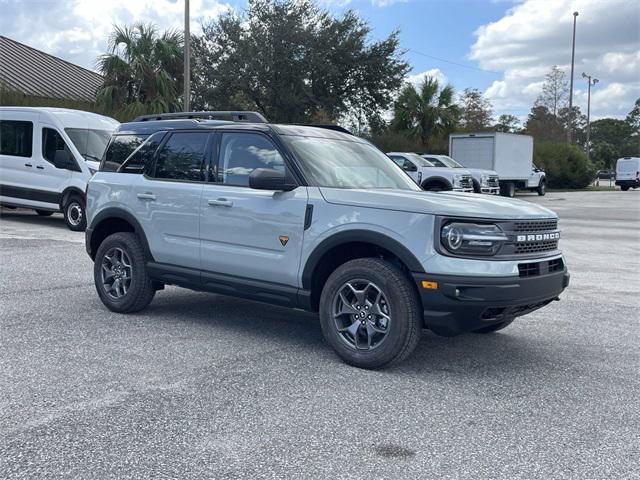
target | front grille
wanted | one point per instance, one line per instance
(534, 247)
(493, 181)
(540, 268)
(535, 225)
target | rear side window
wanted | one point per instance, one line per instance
(119, 149)
(16, 138)
(183, 157)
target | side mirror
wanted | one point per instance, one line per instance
(269, 179)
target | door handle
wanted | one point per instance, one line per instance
(39, 167)
(28, 165)
(146, 196)
(220, 202)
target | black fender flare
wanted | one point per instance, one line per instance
(67, 192)
(439, 179)
(114, 212)
(363, 236)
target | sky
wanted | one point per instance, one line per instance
(502, 47)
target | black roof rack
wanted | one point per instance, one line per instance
(232, 116)
(328, 126)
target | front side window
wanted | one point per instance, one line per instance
(347, 164)
(242, 153)
(56, 151)
(16, 138)
(183, 157)
(119, 150)
(90, 143)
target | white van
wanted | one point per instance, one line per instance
(628, 173)
(47, 156)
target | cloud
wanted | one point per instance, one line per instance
(536, 34)
(417, 78)
(78, 30)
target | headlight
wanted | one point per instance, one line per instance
(484, 181)
(471, 239)
(456, 180)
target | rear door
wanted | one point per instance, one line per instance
(166, 200)
(473, 152)
(626, 168)
(254, 234)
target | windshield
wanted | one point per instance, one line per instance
(420, 161)
(90, 143)
(346, 164)
(444, 161)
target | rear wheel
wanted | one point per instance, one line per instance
(495, 327)
(624, 189)
(508, 189)
(44, 213)
(120, 274)
(370, 313)
(74, 214)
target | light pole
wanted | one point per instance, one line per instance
(573, 56)
(187, 55)
(590, 81)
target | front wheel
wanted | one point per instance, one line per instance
(508, 189)
(74, 214)
(370, 313)
(120, 274)
(624, 189)
(542, 188)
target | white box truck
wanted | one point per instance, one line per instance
(509, 154)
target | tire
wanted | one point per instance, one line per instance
(495, 327)
(434, 187)
(508, 189)
(542, 188)
(384, 288)
(476, 187)
(74, 214)
(44, 213)
(132, 295)
(624, 189)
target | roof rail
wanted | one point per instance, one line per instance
(328, 126)
(232, 116)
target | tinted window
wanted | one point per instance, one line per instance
(141, 160)
(90, 143)
(16, 138)
(242, 153)
(182, 157)
(56, 151)
(119, 150)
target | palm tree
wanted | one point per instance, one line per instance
(426, 114)
(142, 71)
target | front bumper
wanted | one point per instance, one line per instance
(466, 190)
(462, 304)
(490, 190)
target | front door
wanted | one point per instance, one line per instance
(249, 233)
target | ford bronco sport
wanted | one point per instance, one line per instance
(314, 219)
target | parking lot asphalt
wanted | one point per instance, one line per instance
(207, 386)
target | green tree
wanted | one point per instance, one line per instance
(565, 165)
(476, 111)
(427, 113)
(142, 70)
(604, 155)
(633, 118)
(508, 124)
(544, 125)
(617, 133)
(295, 62)
(555, 91)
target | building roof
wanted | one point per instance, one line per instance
(35, 73)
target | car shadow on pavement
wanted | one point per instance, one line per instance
(32, 218)
(467, 355)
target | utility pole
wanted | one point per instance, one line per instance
(187, 59)
(573, 56)
(590, 82)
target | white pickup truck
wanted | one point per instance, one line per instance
(431, 177)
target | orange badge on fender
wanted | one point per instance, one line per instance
(283, 240)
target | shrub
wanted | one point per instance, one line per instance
(566, 165)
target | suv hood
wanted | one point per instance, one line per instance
(453, 204)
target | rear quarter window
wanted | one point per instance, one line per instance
(16, 138)
(119, 149)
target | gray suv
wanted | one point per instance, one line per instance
(315, 219)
